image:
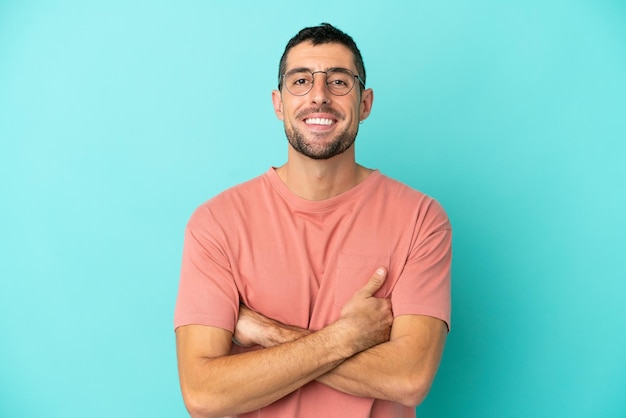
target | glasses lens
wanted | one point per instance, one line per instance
(340, 81)
(299, 83)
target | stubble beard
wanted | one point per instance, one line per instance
(319, 151)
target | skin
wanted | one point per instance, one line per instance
(411, 356)
(365, 352)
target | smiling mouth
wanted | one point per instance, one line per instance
(319, 121)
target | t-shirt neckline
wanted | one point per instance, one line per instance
(318, 205)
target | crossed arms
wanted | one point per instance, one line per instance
(366, 352)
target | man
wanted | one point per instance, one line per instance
(321, 288)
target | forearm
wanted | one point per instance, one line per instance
(217, 384)
(381, 372)
(252, 380)
(399, 370)
(374, 373)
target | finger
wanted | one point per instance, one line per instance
(375, 282)
(237, 342)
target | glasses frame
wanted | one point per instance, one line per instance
(281, 80)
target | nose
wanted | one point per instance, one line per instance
(319, 92)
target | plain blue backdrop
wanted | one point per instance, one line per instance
(118, 118)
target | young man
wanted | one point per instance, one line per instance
(321, 288)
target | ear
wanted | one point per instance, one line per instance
(367, 99)
(277, 100)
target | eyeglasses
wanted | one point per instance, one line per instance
(339, 81)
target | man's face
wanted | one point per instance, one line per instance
(319, 124)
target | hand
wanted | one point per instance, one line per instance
(367, 319)
(255, 329)
(246, 328)
(370, 318)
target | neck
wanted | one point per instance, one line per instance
(321, 179)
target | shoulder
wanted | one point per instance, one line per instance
(399, 194)
(229, 202)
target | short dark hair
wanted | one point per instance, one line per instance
(325, 33)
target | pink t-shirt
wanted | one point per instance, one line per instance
(299, 261)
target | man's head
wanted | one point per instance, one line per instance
(321, 96)
(323, 34)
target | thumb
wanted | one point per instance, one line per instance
(375, 282)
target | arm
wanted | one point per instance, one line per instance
(214, 383)
(401, 369)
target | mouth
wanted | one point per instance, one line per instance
(319, 121)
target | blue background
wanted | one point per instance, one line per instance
(118, 118)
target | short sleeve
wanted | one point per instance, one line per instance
(424, 286)
(207, 294)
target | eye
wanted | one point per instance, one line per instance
(338, 82)
(299, 79)
(339, 79)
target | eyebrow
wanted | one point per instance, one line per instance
(299, 69)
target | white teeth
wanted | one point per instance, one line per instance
(318, 121)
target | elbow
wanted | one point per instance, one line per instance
(413, 391)
(199, 406)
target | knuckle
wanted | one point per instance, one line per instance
(376, 282)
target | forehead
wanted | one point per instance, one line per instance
(320, 57)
